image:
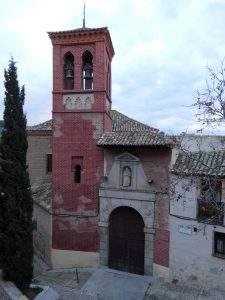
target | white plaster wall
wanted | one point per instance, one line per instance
(191, 258)
(183, 196)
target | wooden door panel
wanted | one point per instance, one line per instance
(126, 241)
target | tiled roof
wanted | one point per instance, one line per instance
(125, 132)
(81, 29)
(120, 122)
(129, 132)
(47, 125)
(42, 194)
(132, 138)
(200, 164)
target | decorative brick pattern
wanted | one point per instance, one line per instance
(75, 132)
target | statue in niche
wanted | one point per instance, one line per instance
(126, 177)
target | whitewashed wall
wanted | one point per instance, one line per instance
(191, 242)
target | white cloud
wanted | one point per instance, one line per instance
(162, 48)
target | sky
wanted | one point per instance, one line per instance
(162, 49)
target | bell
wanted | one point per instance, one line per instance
(69, 73)
(88, 74)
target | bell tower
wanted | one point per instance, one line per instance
(81, 113)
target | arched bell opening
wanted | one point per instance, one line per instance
(68, 71)
(87, 71)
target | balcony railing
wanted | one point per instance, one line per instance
(211, 212)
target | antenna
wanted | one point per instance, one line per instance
(84, 15)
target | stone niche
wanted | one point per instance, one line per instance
(78, 101)
(127, 185)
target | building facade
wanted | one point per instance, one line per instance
(111, 191)
(95, 172)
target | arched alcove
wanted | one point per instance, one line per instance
(68, 71)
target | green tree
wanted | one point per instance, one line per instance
(16, 205)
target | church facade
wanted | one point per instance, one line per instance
(100, 179)
(111, 191)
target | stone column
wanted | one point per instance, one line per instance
(149, 244)
(104, 243)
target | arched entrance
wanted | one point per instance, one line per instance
(126, 240)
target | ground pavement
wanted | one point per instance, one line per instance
(107, 284)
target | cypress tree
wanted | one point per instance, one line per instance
(16, 205)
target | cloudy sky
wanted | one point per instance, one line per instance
(162, 50)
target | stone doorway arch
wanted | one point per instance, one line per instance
(126, 240)
(133, 192)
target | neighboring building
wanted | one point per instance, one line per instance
(197, 232)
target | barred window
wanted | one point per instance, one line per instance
(87, 71)
(219, 244)
(210, 206)
(211, 190)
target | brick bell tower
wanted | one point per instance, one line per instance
(81, 113)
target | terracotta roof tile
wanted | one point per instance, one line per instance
(81, 29)
(47, 125)
(200, 164)
(129, 132)
(42, 194)
(132, 138)
(125, 132)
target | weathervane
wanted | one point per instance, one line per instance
(84, 15)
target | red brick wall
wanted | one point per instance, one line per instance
(75, 134)
(161, 247)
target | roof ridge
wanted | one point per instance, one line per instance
(133, 120)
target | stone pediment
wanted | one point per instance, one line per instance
(126, 156)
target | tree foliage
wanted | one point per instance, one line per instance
(15, 194)
(211, 101)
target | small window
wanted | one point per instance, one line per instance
(77, 174)
(219, 244)
(87, 71)
(49, 163)
(34, 224)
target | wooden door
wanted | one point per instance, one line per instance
(126, 240)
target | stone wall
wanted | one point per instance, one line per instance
(39, 145)
(43, 233)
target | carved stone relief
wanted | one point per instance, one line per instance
(78, 101)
